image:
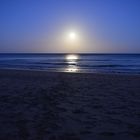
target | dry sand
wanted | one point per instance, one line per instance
(68, 106)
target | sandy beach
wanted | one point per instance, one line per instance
(69, 106)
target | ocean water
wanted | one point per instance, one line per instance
(85, 63)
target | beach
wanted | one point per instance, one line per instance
(39, 105)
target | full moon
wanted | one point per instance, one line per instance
(72, 35)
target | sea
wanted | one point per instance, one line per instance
(72, 63)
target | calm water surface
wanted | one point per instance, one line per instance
(106, 63)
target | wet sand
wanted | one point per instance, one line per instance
(68, 106)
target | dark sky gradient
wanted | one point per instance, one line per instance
(106, 26)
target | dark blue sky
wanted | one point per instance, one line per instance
(102, 25)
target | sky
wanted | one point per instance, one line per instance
(44, 26)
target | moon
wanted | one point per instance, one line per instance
(72, 35)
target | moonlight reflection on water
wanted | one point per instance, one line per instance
(72, 63)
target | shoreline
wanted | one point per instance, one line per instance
(51, 71)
